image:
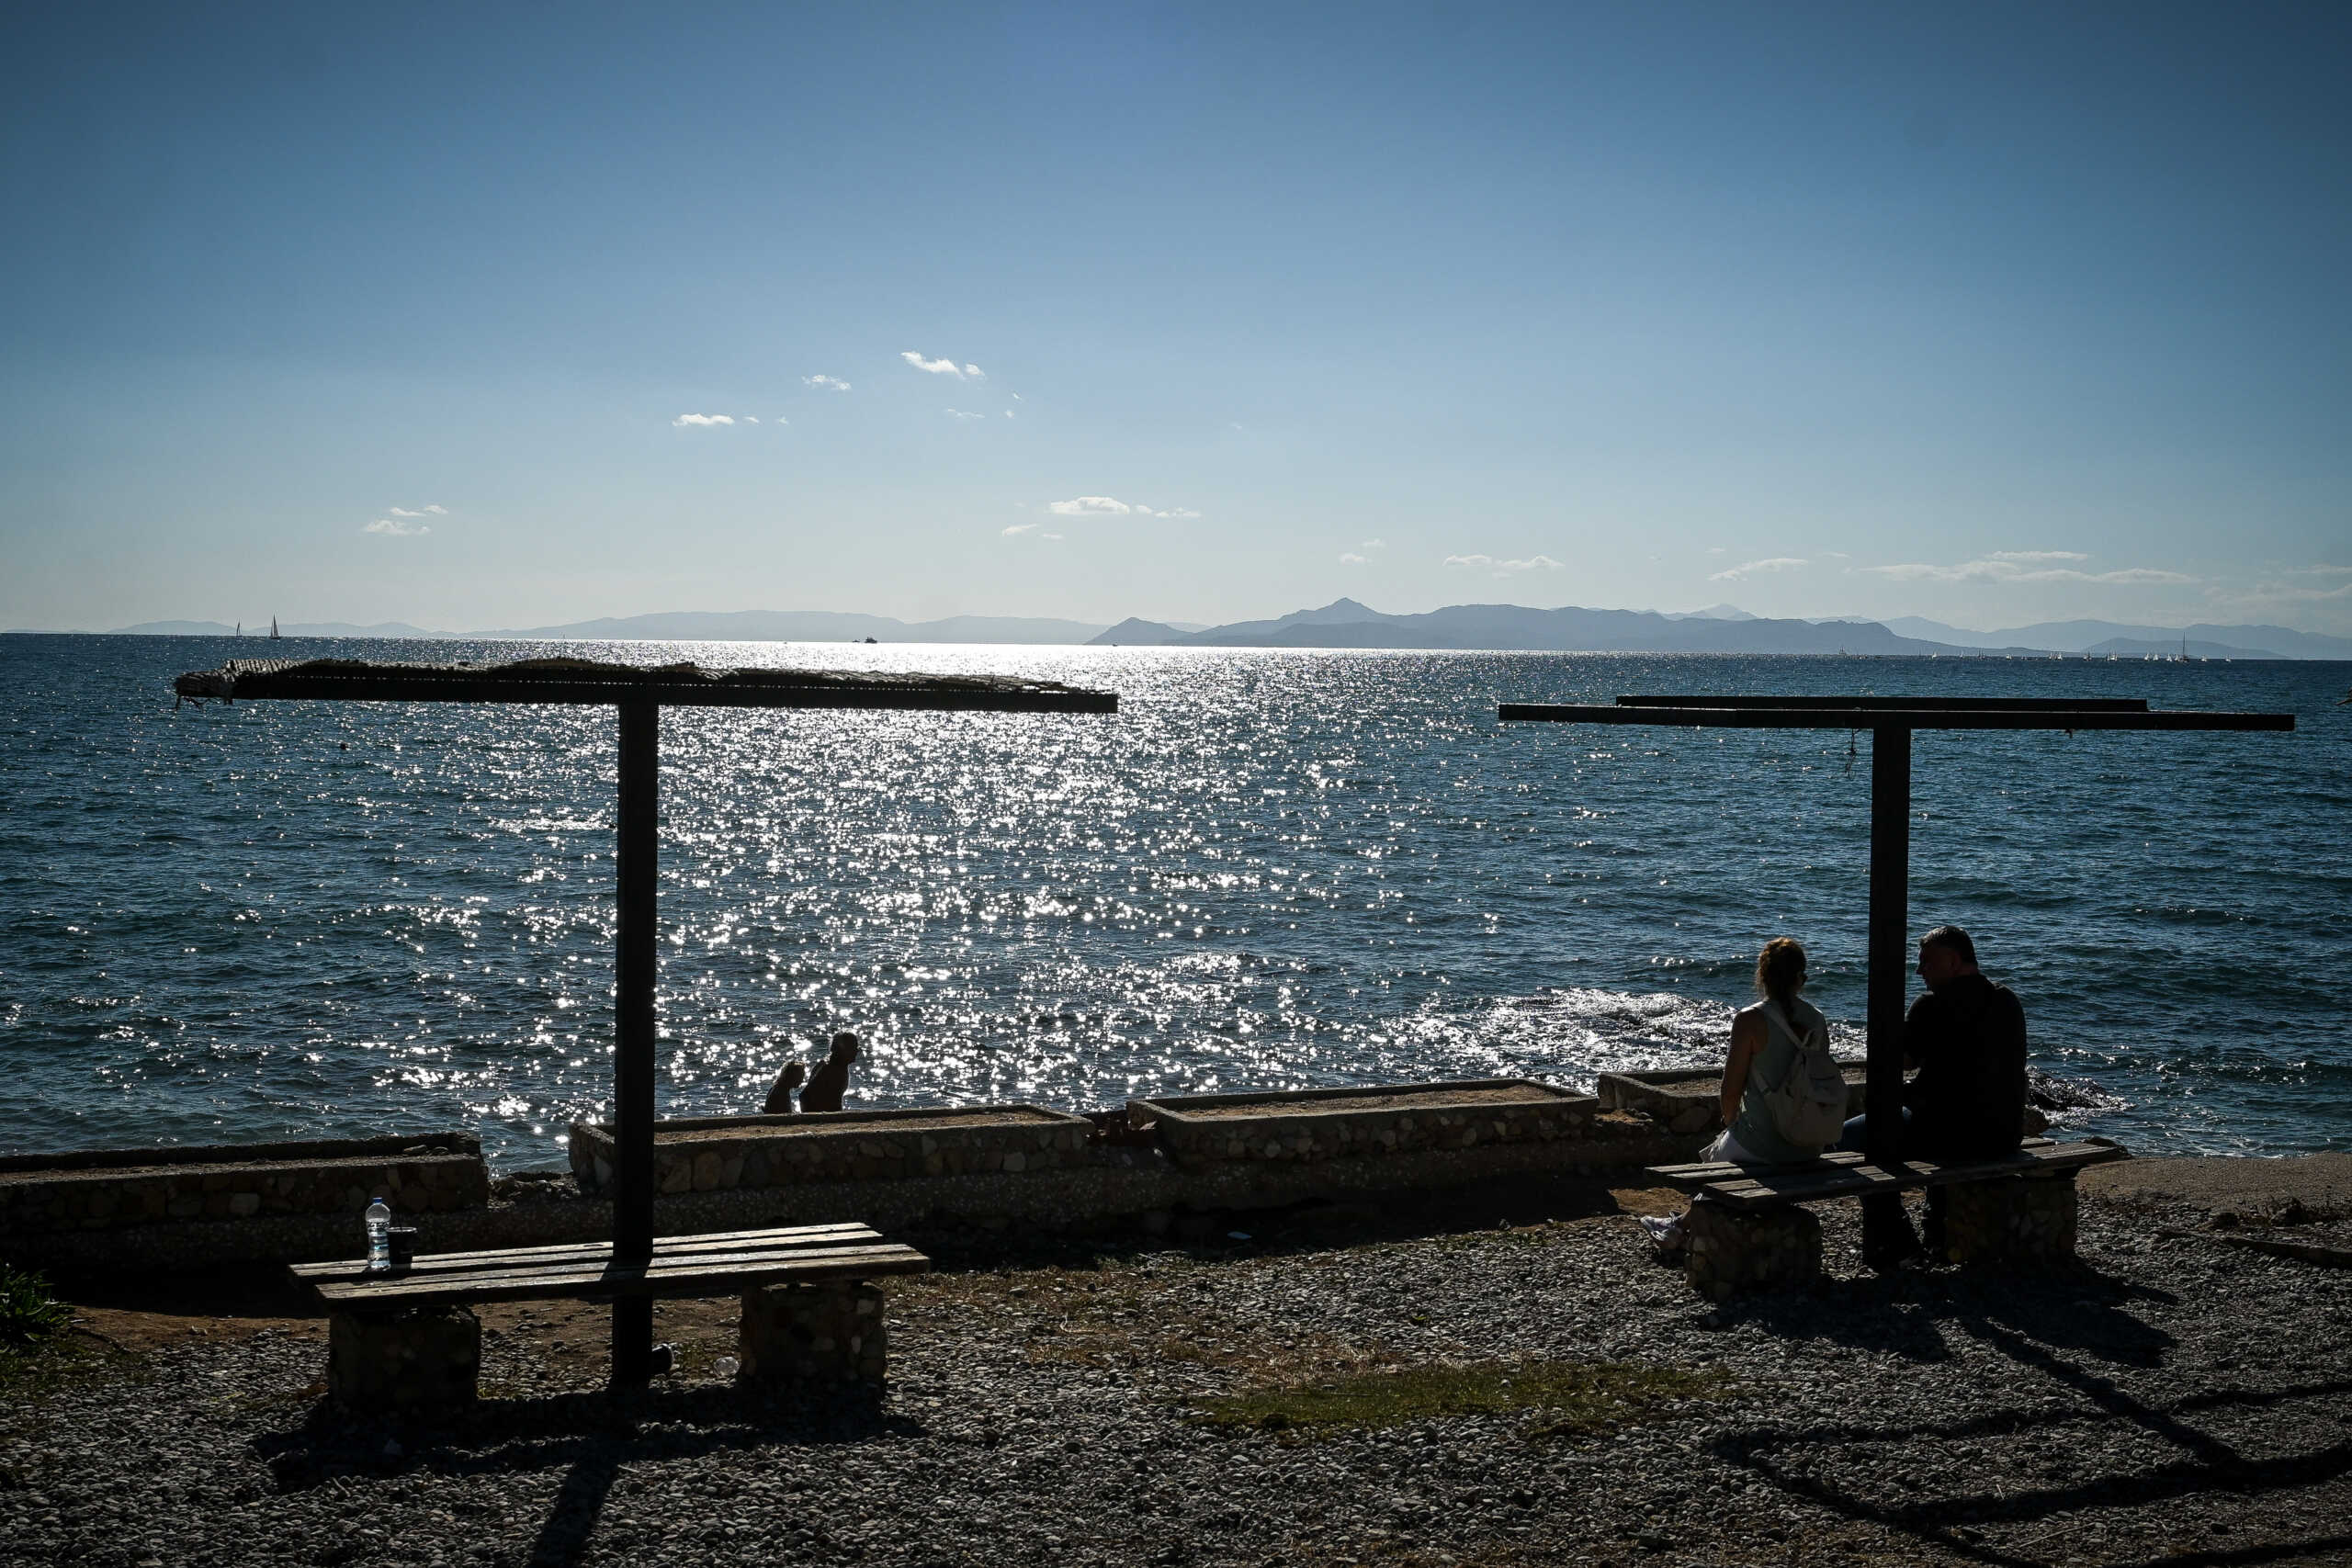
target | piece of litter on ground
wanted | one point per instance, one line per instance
(726, 1366)
(1237, 1235)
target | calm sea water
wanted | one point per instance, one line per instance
(1269, 870)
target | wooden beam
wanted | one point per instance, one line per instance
(1889, 948)
(1937, 704)
(637, 873)
(1870, 718)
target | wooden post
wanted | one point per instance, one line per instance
(636, 865)
(1889, 948)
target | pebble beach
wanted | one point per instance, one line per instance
(2178, 1397)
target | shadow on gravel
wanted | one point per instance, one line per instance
(592, 1434)
(2082, 1438)
(1905, 1312)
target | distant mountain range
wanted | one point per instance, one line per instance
(2205, 639)
(1345, 623)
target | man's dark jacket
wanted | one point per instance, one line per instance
(1968, 1102)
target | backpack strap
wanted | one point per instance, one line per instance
(1789, 1025)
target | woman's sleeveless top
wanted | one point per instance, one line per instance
(1754, 1129)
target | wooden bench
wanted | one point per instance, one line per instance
(404, 1338)
(1747, 1229)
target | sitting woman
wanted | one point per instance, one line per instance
(1784, 1095)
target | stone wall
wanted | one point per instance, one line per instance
(718, 1154)
(1689, 1100)
(1317, 1125)
(120, 1188)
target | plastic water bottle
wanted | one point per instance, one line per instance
(379, 1236)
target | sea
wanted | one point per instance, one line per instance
(1271, 869)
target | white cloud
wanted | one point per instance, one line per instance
(1018, 529)
(397, 527)
(1008, 413)
(959, 414)
(1017, 396)
(945, 367)
(1374, 544)
(750, 418)
(2036, 555)
(1774, 563)
(779, 419)
(1112, 506)
(685, 420)
(2008, 568)
(2321, 570)
(1349, 557)
(1050, 535)
(1505, 567)
(821, 382)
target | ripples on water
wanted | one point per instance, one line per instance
(1269, 870)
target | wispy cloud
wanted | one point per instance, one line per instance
(1349, 557)
(1505, 567)
(1018, 529)
(2014, 567)
(1755, 568)
(823, 382)
(428, 509)
(400, 527)
(944, 367)
(691, 421)
(750, 418)
(959, 414)
(1374, 544)
(1112, 506)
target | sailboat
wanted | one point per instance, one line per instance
(273, 629)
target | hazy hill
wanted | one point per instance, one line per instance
(1347, 624)
(2089, 637)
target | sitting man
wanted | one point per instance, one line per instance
(830, 1080)
(1966, 1038)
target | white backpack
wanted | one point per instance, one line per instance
(1808, 1105)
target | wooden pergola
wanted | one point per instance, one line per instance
(638, 695)
(1890, 721)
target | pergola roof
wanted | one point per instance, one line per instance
(588, 681)
(1892, 713)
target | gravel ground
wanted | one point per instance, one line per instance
(2175, 1400)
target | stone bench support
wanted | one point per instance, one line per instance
(796, 1336)
(414, 1359)
(1732, 1250)
(2024, 1220)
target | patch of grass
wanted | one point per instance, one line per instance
(1567, 1397)
(29, 1313)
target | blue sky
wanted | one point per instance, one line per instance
(1994, 314)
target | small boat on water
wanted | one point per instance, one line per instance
(273, 629)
